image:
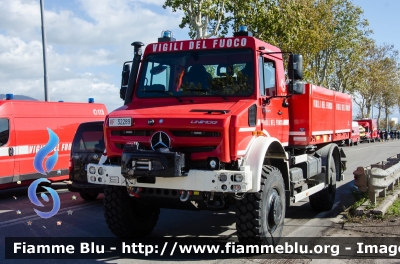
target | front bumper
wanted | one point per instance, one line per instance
(145, 163)
(195, 180)
(85, 187)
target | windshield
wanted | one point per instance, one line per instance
(197, 73)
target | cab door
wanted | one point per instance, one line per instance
(7, 151)
(272, 112)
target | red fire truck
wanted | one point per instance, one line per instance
(371, 130)
(35, 138)
(213, 122)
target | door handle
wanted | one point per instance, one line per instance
(10, 151)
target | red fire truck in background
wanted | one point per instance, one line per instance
(371, 130)
(36, 137)
(213, 122)
(355, 134)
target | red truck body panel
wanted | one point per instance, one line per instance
(28, 123)
(319, 116)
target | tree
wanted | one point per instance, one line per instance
(327, 32)
(331, 34)
(380, 83)
(338, 50)
(203, 17)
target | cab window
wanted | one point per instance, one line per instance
(269, 77)
(4, 131)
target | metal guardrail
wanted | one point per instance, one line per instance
(378, 178)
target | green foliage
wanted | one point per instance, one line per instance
(205, 18)
(394, 209)
(332, 36)
(360, 198)
(378, 82)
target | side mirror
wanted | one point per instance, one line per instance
(122, 92)
(295, 67)
(125, 79)
(296, 87)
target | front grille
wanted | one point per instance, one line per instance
(132, 132)
(195, 149)
(119, 145)
(182, 133)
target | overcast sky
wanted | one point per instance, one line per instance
(88, 41)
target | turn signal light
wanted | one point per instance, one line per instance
(257, 133)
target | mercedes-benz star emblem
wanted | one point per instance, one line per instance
(160, 140)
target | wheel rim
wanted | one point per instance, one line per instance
(275, 211)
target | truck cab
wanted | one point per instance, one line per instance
(369, 130)
(216, 122)
(355, 134)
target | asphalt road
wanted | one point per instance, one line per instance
(79, 218)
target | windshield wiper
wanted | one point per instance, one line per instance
(207, 91)
(162, 92)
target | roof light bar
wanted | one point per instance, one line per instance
(166, 36)
(243, 31)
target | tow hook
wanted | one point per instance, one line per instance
(184, 196)
(133, 192)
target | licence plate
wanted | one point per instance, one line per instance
(119, 121)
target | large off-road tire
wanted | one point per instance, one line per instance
(324, 199)
(127, 216)
(260, 216)
(88, 196)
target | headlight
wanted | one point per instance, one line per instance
(222, 177)
(92, 170)
(238, 177)
(101, 171)
(92, 178)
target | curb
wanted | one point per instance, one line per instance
(382, 207)
(361, 209)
